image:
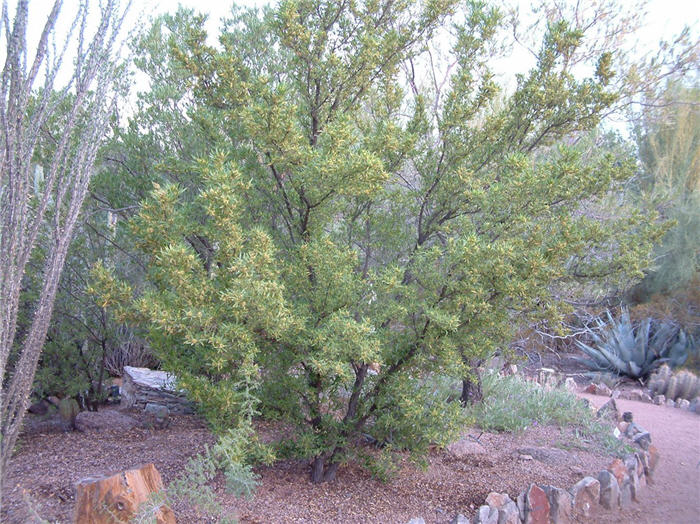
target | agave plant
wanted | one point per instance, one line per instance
(621, 347)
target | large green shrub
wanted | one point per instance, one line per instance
(350, 222)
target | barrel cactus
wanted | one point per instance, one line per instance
(621, 347)
(681, 385)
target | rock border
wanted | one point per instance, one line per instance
(612, 489)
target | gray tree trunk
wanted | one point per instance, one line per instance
(44, 201)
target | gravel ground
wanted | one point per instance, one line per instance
(674, 497)
(49, 462)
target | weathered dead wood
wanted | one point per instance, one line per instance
(118, 498)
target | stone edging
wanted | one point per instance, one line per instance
(613, 488)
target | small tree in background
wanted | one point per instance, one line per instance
(668, 138)
(44, 178)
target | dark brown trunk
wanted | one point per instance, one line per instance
(323, 468)
(317, 470)
(471, 390)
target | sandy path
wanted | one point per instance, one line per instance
(674, 497)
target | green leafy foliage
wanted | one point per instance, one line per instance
(353, 217)
(635, 349)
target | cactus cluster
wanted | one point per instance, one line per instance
(682, 384)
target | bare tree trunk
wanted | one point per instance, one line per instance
(45, 200)
(471, 390)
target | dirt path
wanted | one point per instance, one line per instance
(674, 497)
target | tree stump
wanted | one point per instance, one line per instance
(117, 499)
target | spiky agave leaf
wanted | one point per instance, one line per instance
(635, 351)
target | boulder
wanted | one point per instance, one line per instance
(536, 506)
(670, 403)
(416, 520)
(683, 403)
(142, 386)
(585, 496)
(459, 519)
(106, 419)
(659, 400)
(560, 504)
(609, 490)
(104, 500)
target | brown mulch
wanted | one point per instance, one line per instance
(48, 463)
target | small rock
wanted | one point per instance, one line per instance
(586, 494)
(157, 415)
(659, 400)
(670, 403)
(646, 398)
(513, 369)
(570, 385)
(466, 447)
(694, 405)
(643, 440)
(609, 410)
(615, 394)
(560, 503)
(609, 490)
(683, 403)
(633, 394)
(598, 389)
(416, 520)
(603, 390)
(53, 400)
(525, 457)
(536, 506)
(486, 515)
(460, 519)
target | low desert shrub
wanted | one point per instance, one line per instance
(513, 404)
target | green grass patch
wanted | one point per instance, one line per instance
(512, 404)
